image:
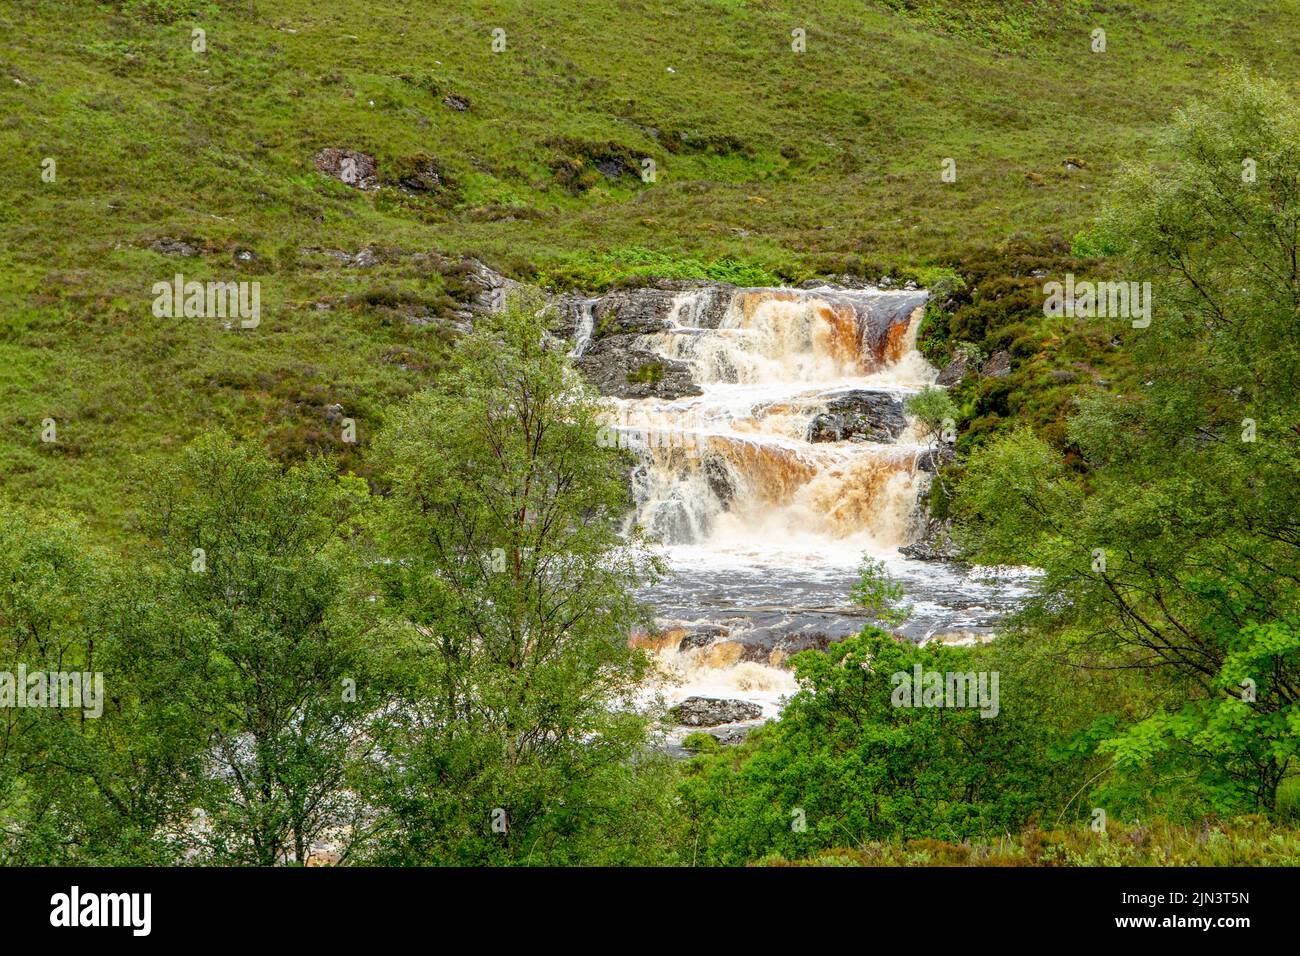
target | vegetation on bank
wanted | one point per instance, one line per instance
(1244, 841)
(1158, 663)
(415, 652)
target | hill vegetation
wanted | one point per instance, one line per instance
(770, 165)
(355, 574)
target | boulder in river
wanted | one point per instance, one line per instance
(859, 415)
(712, 711)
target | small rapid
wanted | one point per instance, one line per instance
(769, 487)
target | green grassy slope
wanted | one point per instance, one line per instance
(789, 164)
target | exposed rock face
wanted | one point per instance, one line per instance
(623, 311)
(859, 415)
(712, 711)
(169, 246)
(731, 736)
(998, 365)
(955, 370)
(617, 367)
(349, 167)
(494, 288)
(939, 548)
(930, 459)
(933, 537)
(719, 478)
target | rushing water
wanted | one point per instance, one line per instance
(764, 528)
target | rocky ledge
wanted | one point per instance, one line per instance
(713, 711)
(616, 366)
(859, 415)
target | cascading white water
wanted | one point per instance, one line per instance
(735, 465)
(764, 526)
(586, 323)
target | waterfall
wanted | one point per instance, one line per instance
(769, 487)
(738, 464)
(586, 323)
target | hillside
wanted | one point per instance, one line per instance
(770, 165)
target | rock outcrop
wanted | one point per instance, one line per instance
(348, 166)
(962, 364)
(997, 366)
(931, 537)
(956, 370)
(493, 289)
(712, 711)
(859, 415)
(616, 366)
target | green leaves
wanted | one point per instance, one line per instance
(502, 548)
(1176, 554)
(853, 766)
(880, 595)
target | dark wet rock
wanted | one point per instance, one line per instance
(647, 310)
(731, 736)
(998, 365)
(701, 635)
(348, 166)
(790, 644)
(624, 311)
(932, 459)
(955, 370)
(932, 537)
(772, 646)
(712, 711)
(859, 415)
(938, 549)
(169, 246)
(615, 366)
(718, 477)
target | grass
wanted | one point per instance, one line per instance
(1245, 841)
(770, 165)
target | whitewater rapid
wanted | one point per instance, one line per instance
(764, 527)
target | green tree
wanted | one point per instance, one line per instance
(851, 760)
(517, 739)
(936, 414)
(934, 410)
(1177, 556)
(248, 643)
(88, 784)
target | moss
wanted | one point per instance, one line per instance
(700, 742)
(647, 374)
